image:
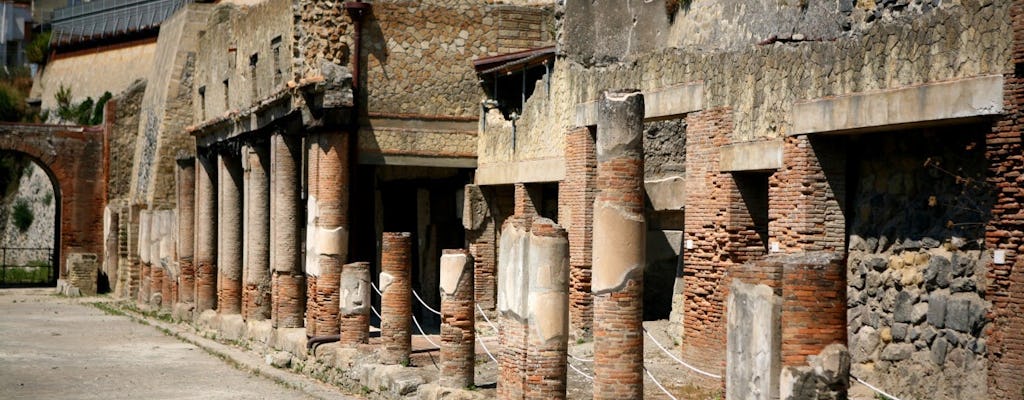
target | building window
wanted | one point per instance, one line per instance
(275, 50)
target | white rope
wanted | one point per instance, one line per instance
(486, 350)
(658, 384)
(579, 372)
(424, 303)
(424, 333)
(695, 369)
(579, 359)
(879, 391)
(375, 289)
(376, 313)
(487, 319)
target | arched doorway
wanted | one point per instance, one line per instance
(29, 222)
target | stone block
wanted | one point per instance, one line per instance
(751, 156)
(667, 193)
(897, 351)
(964, 313)
(937, 309)
(753, 347)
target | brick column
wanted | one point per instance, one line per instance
(206, 233)
(479, 224)
(354, 320)
(186, 197)
(1004, 150)
(326, 229)
(229, 234)
(396, 297)
(814, 321)
(619, 248)
(458, 315)
(157, 283)
(576, 199)
(548, 309)
(256, 297)
(513, 289)
(286, 215)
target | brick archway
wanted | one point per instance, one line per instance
(74, 158)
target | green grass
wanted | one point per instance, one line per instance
(33, 273)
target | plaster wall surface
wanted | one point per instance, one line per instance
(120, 68)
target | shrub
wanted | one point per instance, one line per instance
(23, 216)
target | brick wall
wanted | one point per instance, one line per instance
(813, 306)
(807, 196)
(576, 212)
(1005, 289)
(708, 194)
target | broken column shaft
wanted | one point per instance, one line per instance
(619, 246)
(396, 297)
(186, 194)
(229, 234)
(513, 288)
(327, 229)
(355, 304)
(256, 297)
(145, 269)
(289, 281)
(206, 233)
(547, 310)
(458, 336)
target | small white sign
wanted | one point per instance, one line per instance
(775, 247)
(999, 257)
(689, 244)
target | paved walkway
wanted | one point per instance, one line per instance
(60, 348)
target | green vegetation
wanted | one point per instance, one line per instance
(15, 84)
(87, 112)
(39, 49)
(32, 273)
(23, 215)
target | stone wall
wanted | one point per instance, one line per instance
(90, 73)
(123, 129)
(761, 83)
(167, 108)
(242, 57)
(916, 267)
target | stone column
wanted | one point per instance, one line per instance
(288, 281)
(206, 233)
(458, 334)
(619, 248)
(256, 297)
(355, 304)
(548, 311)
(326, 229)
(186, 191)
(396, 297)
(145, 264)
(229, 234)
(513, 288)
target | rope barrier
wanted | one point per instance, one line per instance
(486, 319)
(486, 350)
(376, 313)
(658, 384)
(423, 333)
(877, 390)
(578, 359)
(584, 374)
(424, 303)
(375, 289)
(695, 369)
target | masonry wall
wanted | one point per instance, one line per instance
(247, 47)
(121, 65)
(166, 108)
(917, 261)
(123, 131)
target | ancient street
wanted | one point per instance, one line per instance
(59, 348)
